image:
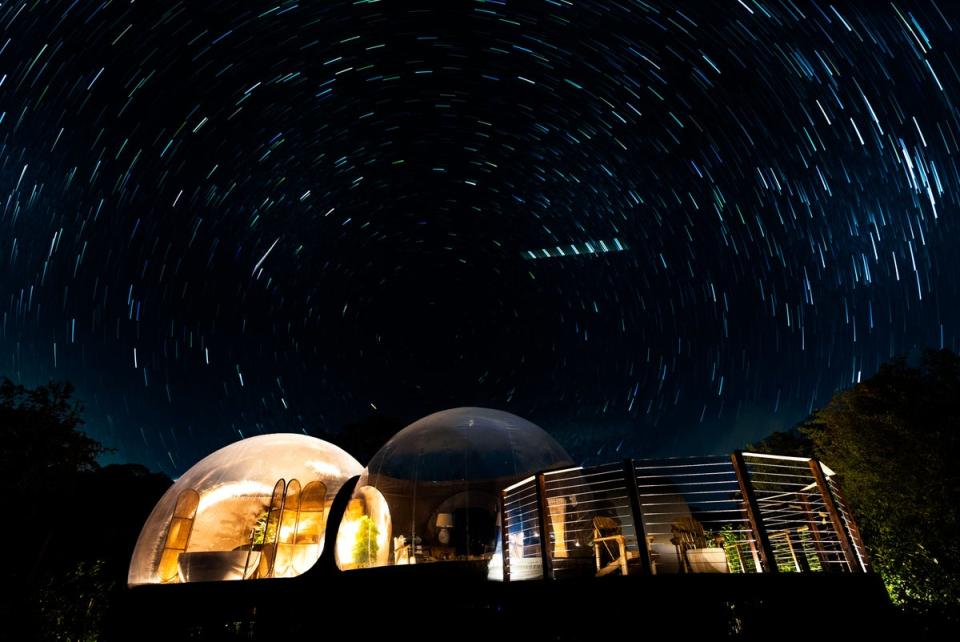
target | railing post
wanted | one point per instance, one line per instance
(835, 517)
(504, 537)
(636, 511)
(854, 529)
(545, 555)
(767, 558)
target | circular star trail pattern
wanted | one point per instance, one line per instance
(650, 227)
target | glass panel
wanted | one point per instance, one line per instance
(364, 538)
(522, 559)
(178, 535)
(272, 531)
(311, 526)
(286, 544)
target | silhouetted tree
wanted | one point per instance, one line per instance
(42, 452)
(73, 525)
(39, 431)
(895, 442)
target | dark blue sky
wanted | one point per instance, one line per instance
(667, 228)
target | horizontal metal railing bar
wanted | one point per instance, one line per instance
(519, 518)
(781, 509)
(728, 489)
(792, 497)
(782, 479)
(581, 518)
(790, 516)
(599, 500)
(783, 485)
(522, 523)
(675, 475)
(528, 480)
(685, 484)
(780, 457)
(695, 492)
(522, 490)
(601, 486)
(550, 473)
(652, 525)
(604, 506)
(519, 501)
(733, 513)
(655, 524)
(761, 468)
(682, 471)
(683, 458)
(750, 461)
(687, 507)
(765, 476)
(513, 512)
(677, 466)
(587, 474)
(653, 516)
(587, 479)
(598, 489)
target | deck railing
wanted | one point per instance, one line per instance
(746, 513)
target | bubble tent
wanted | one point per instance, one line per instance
(256, 508)
(431, 493)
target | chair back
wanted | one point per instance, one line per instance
(604, 526)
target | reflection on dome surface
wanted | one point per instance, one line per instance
(432, 492)
(256, 508)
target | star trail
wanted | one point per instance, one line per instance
(648, 226)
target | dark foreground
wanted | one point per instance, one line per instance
(451, 602)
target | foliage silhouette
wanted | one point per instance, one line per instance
(894, 439)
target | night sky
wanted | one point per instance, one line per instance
(652, 228)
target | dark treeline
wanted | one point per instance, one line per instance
(72, 523)
(894, 440)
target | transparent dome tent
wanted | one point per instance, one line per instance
(431, 494)
(254, 509)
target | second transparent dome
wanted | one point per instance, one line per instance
(432, 492)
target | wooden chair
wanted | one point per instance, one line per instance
(688, 534)
(608, 535)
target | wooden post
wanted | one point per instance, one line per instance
(636, 511)
(756, 558)
(835, 516)
(504, 536)
(854, 529)
(545, 556)
(767, 558)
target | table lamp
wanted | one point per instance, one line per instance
(444, 523)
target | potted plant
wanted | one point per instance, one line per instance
(366, 547)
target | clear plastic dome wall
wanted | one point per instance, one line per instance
(256, 508)
(432, 492)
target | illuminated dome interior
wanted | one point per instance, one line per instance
(432, 492)
(256, 508)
